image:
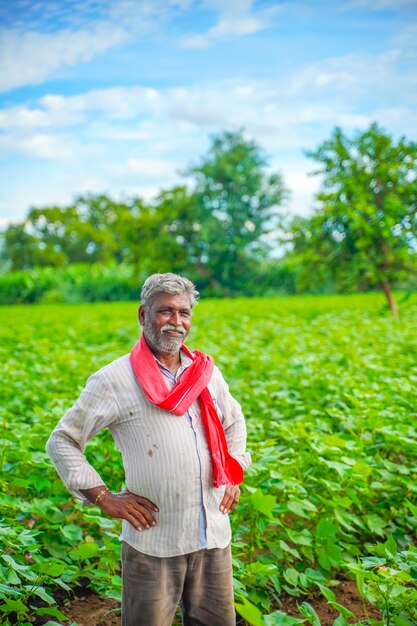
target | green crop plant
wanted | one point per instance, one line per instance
(328, 387)
(388, 581)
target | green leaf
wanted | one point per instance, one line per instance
(86, 550)
(303, 538)
(10, 576)
(6, 591)
(249, 612)
(314, 575)
(298, 509)
(42, 593)
(342, 610)
(51, 568)
(286, 548)
(279, 618)
(52, 610)
(309, 613)
(412, 507)
(291, 576)
(327, 593)
(14, 564)
(398, 621)
(334, 441)
(14, 606)
(263, 503)
(390, 546)
(375, 523)
(362, 469)
(71, 532)
(326, 529)
(261, 568)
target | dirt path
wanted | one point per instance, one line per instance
(90, 609)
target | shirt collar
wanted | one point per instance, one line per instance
(185, 362)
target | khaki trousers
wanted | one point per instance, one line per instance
(153, 587)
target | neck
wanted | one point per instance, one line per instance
(169, 359)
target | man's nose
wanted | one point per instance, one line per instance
(176, 318)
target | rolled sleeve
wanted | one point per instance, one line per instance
(95, 409)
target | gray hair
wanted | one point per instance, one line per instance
(168, 283)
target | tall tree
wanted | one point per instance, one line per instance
(236, 207)
(364, 230)
(162, 236)
(94, 229)
(22, 250)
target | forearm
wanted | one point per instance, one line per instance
(95, 409)
(95, 495)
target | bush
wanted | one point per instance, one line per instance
(75, 283)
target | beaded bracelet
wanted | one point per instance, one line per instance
(106, 490)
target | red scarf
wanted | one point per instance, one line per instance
(193, 385)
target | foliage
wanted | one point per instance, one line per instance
(389, 581)
(75, 283)
(96, 282)
(364, 231)
(91, 230)
(237, 206)
(214, 231)
(328, 385)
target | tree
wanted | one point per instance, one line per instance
(364, 231)
(163, 235)
(215, 230)
(91, 230)
(22, 250)
(236, 207)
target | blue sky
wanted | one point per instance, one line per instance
(120, 96)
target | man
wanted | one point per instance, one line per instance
(182, 437)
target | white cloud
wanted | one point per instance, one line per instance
(39, 146)
(277, 113)
(30, 57)
(134, 140)
(151, 168)
(31, 52)
(303, 186)
(56, 111)
(236, 18)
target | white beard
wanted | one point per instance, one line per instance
(162, 342)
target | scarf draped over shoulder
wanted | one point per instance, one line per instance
(192, 385)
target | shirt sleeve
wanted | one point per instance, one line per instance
(95, 409)
(231, 416)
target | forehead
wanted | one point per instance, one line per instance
(176, 301)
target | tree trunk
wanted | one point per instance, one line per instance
(386, 288)
(385, 284)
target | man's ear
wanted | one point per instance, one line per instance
(141, 315)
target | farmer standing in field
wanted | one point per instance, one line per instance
(182, 437)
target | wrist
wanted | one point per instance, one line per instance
(101, 496)
(105, 501)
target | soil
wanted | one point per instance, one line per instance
(87, 608)
(347, 595)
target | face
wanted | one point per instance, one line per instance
(166, 324)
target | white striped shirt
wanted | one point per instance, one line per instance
(165, 456)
